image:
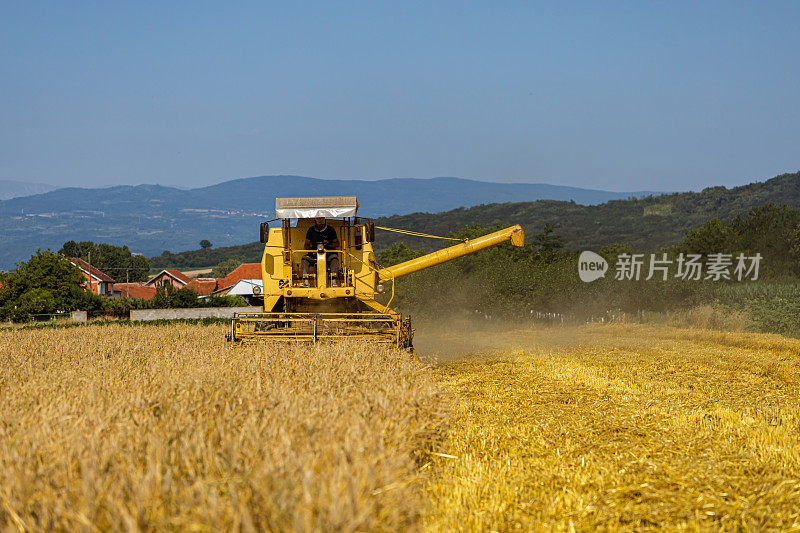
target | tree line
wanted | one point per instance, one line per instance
(513, 283)
(115, 261)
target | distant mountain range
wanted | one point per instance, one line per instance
(644, 223)
(153, 218)
(14, 189)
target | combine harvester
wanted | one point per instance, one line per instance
(326, 304)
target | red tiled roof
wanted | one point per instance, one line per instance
(83, 265)
(135, 290)
(202, 286)
(244, 271)
(180, 276)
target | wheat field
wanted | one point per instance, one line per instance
(167, 428)
(616, 427)
(621, 427)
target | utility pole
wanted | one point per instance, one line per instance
(127, 285)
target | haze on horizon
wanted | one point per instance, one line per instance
(619, 96)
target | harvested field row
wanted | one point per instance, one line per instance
(623, 427)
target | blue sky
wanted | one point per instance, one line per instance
(611, 95)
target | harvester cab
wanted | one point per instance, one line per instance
(321, 278)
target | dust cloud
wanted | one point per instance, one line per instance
(453, 339)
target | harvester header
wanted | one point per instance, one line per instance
(321, 278)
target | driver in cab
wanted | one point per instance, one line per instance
(321, 233)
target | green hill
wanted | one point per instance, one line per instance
(644, 223)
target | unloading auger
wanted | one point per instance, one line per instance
(338, 303)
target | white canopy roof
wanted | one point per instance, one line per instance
(246, 287)
(316, 206)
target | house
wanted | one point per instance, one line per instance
(96, 281)
(244, 271)
(252, 290)
(245, 287)
(202, 286)
(134, 290)
(250, 272)
(245, 281)
(168, 277)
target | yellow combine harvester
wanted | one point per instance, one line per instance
(321, 277)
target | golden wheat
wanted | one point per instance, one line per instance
(600, 427)
(167, 427)
(622, 427)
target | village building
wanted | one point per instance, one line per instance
(248, 271)
(169, 277)
(202, 286)
(96, 281)
(244, 281)
(252, 290)
(134, 290)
